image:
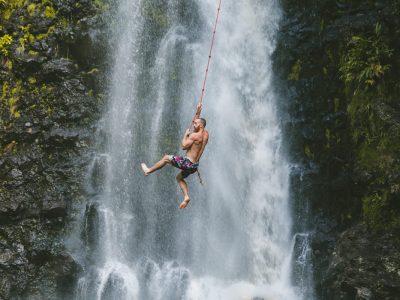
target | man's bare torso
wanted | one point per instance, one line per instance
(196, 150)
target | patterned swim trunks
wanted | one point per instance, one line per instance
(184, 163)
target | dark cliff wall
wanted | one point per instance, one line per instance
(337, 66)
(50, 83)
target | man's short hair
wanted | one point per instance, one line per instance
(203, 121)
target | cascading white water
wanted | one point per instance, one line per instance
(233, 241)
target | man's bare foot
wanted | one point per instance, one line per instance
(145, 169)
(185, 202)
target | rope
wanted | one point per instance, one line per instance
(205, 76)
(209, 54)
(209, 59)
(200, 179)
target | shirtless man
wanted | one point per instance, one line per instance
(194, 144)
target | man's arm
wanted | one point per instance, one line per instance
(187, 140)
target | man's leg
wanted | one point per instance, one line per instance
(185, 190)
(158, 165)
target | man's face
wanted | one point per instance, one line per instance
(197, 124)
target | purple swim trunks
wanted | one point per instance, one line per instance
(184, 163)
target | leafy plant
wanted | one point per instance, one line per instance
(50, 12)
(5, 42)
(296, 69)
(365, 61)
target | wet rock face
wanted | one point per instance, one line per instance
(50, 96)
(326, 181)
(364, 265)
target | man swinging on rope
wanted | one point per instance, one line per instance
(194, 144)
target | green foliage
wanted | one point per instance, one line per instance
(33, 53)
(328, 137)
(32, 9)
(24, 36)
(308, 153)
(24, 10)
(10, 7)
(100, 4)
(296, 69)
(43, 36)
(373, 210)
(24, 97)
(9, 65)
(10, 97)
(27, 37)
(377, 148)
(368, 71)
(93, 71)
(4, 90)
(32, 80)
(5, 42)
(365, 61)
(49, 12)
(377, 212)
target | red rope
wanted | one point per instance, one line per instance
(205, 76)
(209, 54)
(209, 58)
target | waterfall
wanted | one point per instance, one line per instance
(233, 241)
